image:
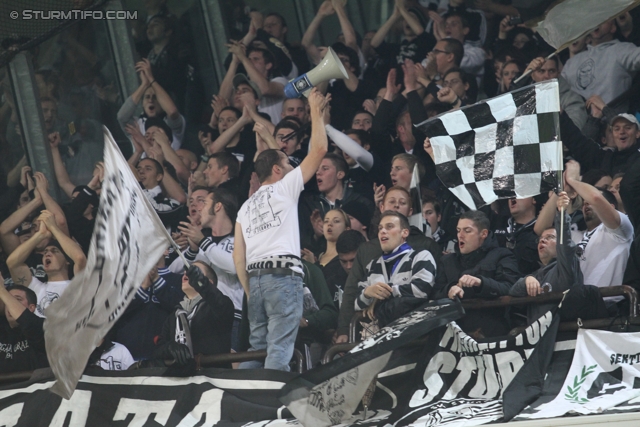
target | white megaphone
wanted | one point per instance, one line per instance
(330, 68)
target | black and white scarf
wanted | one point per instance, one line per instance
(184, 315)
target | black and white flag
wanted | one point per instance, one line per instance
(128, 239)
(504, 147)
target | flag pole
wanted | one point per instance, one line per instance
(529, 71)
(561, 188)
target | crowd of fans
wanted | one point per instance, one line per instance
(316, 193)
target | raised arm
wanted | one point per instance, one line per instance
(345, 25)
(591, 195)
(42, 185)
(171, 156)
(546, 215)
(17, 261)
(129, 106)
(226, 87)
(68, 245)
(382, 32)
(326, 9)
(171, 187)
(60, 170)
(352, 148)
(163, 97)
(318, 143)
(569, 272)
(227, 136)
(8, 239)
(266, 87)
(12, 305)
(411, 20)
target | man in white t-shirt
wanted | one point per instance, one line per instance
(604, 249)
(267, 246)
(56, 258)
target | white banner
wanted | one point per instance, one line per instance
(128, 239)
(571, 19)
(604, 371)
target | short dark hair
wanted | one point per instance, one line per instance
(269, 58)
(363, 136)
(287, 123)
(463, 18)
(404, 222)
(209, 272)
(339, 162)
(454, 46)
(265, 163)
(401, 189)
(478, 218)
(168, 20)
(349, 241)
(342, 49)
(609, 197)
(224, 158)
(237, 112)
(411, 161)
(159, 123)
(283, 21)
(436, 204)
(202, 187)
(32, 298)
(156, 164)
(546, 54)
(361, 112)
(228, 200)
(466, 78)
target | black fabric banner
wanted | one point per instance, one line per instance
(331, 393)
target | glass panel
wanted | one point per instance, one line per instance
(12, 160)
(78, 89)
(171, 35)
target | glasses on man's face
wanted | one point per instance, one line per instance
(436, 51)
(546, 238)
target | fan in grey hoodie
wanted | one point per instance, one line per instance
(560, 268)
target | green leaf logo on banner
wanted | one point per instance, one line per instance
(577, 384)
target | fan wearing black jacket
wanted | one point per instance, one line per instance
(478, 269)
(202, 322)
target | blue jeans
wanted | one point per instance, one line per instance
(275, 310)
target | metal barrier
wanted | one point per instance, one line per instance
(505, 301)
(202, 361)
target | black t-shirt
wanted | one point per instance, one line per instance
(22, 348)
(336, 277)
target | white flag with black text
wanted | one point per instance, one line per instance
(604, 378)
(128, 239)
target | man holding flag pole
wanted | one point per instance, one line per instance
(127, 241)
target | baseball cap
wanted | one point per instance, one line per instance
(239, 79)
(628, 117)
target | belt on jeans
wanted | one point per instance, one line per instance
(282, 271)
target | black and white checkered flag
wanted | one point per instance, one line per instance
(504, 147)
